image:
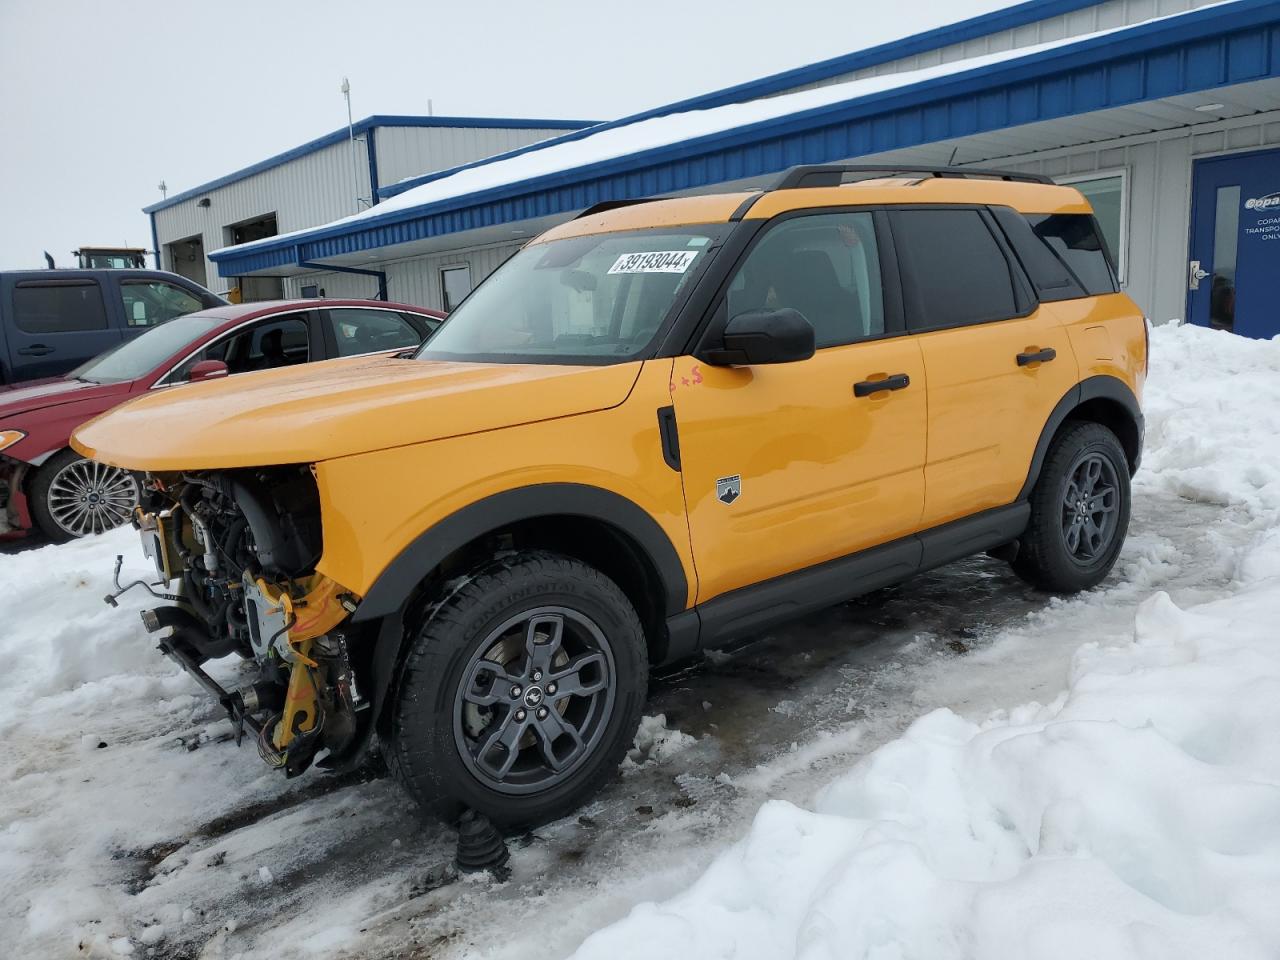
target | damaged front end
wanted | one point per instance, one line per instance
(238, 549)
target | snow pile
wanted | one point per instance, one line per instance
(656, 742)
(1137, 815)
(57, 634)
(1213, 421)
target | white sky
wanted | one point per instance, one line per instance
(99, 102)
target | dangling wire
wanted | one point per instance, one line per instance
(266, 749)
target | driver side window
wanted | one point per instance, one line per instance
(277, 342)
(826, 266)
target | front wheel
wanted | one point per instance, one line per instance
(520, 693)
(74, 497)
(1079, 511)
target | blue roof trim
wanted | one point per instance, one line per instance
(1214, 46)
(368, 123)
(1018, 15)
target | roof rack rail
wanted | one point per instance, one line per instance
(833, 175)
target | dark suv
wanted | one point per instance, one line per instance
(51, 321)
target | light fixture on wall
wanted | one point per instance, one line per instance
(204, 202)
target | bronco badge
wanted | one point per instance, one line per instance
(729, 489)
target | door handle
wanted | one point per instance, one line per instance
(1039, 356)
(1195, 275)
(35, 350)
(897, 381)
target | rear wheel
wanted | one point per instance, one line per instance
(74, 497)
(1079, 511)
(520, 693)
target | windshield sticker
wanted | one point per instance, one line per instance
(657, 261)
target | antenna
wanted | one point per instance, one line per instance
(355, 158)
(164, 190)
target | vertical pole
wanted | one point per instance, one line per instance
(351, 132)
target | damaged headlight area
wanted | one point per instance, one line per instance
(238, 549)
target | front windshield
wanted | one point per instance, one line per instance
(593, 299)
(140, 355)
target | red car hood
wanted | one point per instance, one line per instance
(25, 398)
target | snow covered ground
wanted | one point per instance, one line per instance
(957, 767)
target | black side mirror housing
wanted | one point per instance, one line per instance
(763, 336)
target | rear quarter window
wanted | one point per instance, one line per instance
(1077, 242)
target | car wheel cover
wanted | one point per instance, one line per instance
(1090, 508)
(534, 700)
(87, 497)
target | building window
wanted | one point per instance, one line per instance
(1108, 194)
(456, 284)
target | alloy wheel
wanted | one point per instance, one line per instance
(534, 700)
(87, 497)
(1090, 508)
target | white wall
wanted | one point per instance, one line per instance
(310, 190)
(415, 280)
(321, 187)
(411, 151)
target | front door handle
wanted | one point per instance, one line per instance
(1039, 356)
(35, 350)
(897, 381)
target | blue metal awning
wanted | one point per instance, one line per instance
(1215, 46)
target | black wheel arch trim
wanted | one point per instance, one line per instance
(397, 582)
(1102, 387)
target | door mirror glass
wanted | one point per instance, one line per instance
(207, 370)
(764, 336)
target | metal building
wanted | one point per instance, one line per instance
(1166, 113)
(330, 177)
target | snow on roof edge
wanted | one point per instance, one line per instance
(669, 129)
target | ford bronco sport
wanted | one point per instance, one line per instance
(661, 425)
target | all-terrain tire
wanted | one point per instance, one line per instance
(1046, 558)
(425, 748)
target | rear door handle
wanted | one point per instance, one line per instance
(897, 381)
(1040, 356)
(35, 350)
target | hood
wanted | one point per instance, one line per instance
(23, 398)
(337, 408)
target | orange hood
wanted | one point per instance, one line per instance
(337, 408)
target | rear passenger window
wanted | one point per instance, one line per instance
(826, 266)
(368, 331)
(58, 307)
(954, 271)
(1075, 238)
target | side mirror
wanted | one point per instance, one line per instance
(764, 336)
(207, 370)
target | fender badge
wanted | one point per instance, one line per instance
(729, 489)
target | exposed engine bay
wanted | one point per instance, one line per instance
(238, 548)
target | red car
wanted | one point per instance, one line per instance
(45, 484)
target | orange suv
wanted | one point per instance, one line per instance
(662, 425)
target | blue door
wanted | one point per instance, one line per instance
(1233, 279)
